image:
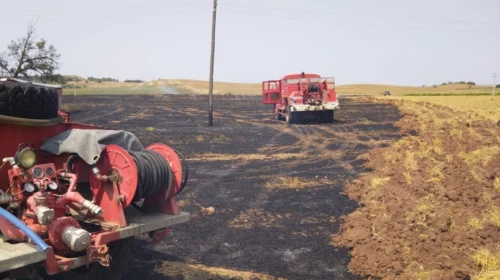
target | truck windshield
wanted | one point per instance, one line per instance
(329, 80)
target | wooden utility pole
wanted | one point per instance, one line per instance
(211, 79)
(494, 82)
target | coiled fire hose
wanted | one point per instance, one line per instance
(153, 174)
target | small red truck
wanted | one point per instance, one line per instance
(297, 97)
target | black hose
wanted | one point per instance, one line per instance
(185, 171)
(69, 162)
(153, 173)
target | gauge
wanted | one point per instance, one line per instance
(29, 187)
(37, 172)
(53, 185)
(49, 171)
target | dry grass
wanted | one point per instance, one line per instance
(485, 106)
(258, 218)
(201, 87)
(496, 183)
(232, 157)
(376, 89)
(488, 264)
(200, 272)
(377, 182)
(289, 183)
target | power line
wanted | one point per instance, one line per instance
(99, 8)
(356, 15)
(360, 23)
(105, 17)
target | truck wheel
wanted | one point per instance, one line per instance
(25, 101)
(121, 257)
(328, 116)
(290, 116)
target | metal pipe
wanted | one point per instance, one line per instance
(24, 229)
(73, 179)
(70, 197)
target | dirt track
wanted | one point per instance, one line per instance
(235, 167)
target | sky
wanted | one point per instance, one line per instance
(399, 42)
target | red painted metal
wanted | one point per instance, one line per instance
(114, 188)
(12, 135)
(271, 92)
(116, 161)
(56, 230)
(299, 89)
(15, 234)
(106, 237)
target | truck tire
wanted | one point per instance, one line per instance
(26, 101)
(290, 116)
(121, 258)
(327, 116)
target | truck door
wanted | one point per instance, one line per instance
(271, 92)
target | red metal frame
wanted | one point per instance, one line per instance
(111, 195)
(270, 94)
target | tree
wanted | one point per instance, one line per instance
(28, 54)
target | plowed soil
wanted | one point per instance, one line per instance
(265, 197)
(431, 208)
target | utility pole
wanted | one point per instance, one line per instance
(211, 79)
(494, 82)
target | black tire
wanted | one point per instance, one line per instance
(327, 116)
(121, 258)
(289, 116)
(26, 101)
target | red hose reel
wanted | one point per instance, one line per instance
(116, 180)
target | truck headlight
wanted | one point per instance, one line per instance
(26, 158)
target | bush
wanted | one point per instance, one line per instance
(459, 83)
(100, 80)
(134, 81)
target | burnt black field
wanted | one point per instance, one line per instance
(282, 232)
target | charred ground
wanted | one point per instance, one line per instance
(277, 190)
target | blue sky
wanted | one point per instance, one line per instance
(357, 41)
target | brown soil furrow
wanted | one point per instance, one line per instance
(431, 205)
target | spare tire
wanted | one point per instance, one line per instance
(28, 101)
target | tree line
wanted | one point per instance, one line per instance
(459, 83)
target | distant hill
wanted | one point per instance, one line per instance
(80, 85)
(73, 78)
